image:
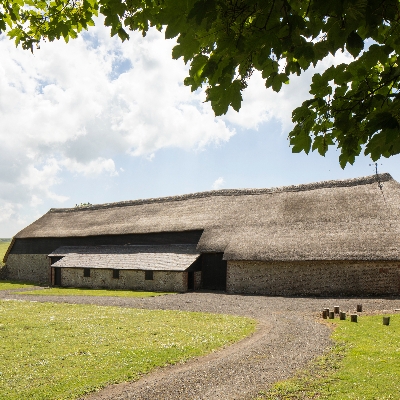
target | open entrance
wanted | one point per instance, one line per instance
(191, 280)
(213, 271)
(57, 276)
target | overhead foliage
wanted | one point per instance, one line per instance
(354, 106)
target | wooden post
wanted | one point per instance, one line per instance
(353, 317)
(336, 309)
(342, 315)
(359, 307)
(327, 311)
(331, 314)
(324, 314)
(386, 320)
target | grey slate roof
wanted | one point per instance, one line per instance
(334, 220)
(156, 258)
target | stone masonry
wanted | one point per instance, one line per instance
(29, 267)
(314, 278)
(167, 281)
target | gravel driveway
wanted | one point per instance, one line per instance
(287, 337)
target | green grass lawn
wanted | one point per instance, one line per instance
(90, 292)
(3, 249)
(62, 351)
(7, 285)
(364, 364)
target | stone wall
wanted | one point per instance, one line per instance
(314, 278)
(28, 267)
(164, 281)
(3, 272)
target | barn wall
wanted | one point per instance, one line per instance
(28, 267)
(314, 278)
(3, 272)
(167, 281)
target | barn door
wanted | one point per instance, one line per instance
(213, 271)
(191, 280)
(57, 276)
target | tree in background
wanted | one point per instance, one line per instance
(354, 106)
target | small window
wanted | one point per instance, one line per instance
(86, 272)
(148, 275)
(116, 273)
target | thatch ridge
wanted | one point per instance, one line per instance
(366, 180)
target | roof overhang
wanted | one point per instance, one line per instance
(154, 257)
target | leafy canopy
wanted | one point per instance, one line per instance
(354, 106)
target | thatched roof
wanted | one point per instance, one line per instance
(351, 219)
(155, 258)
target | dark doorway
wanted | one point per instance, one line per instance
(191, 280)
(213, 271)
(57, 276)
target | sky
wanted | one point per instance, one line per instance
(99, 121)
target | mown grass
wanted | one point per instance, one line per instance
(3, 249)
(90, 292)
(364, 364)
(7, 285)
(63, 351)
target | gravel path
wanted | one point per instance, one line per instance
(287, 337)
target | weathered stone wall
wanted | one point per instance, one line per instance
(3, 272)
(128, 279)
(314, 278)
(28, 267)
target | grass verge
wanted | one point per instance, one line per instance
(7, 285)
(63, 351)
(91, 292)
(3, 249)
(364, 364)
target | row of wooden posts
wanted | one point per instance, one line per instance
(327, 313)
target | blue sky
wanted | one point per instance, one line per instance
(99, 121)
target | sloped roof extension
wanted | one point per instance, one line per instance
(154, 258)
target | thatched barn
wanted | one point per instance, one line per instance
(326, 238)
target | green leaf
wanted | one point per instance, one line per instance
(270, 67)
(382, 120)
(200, 9)
(301, 143)
(276, 80)
(187, 48)
(354, 44)
(174, 28)
(320, 86)
(235, 95)
(321, 144)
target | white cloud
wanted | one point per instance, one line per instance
(72, 108)
(6, 211)
(38, 181)
(218, 183)
(35, 201)
(92, 168)
(11, 218)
